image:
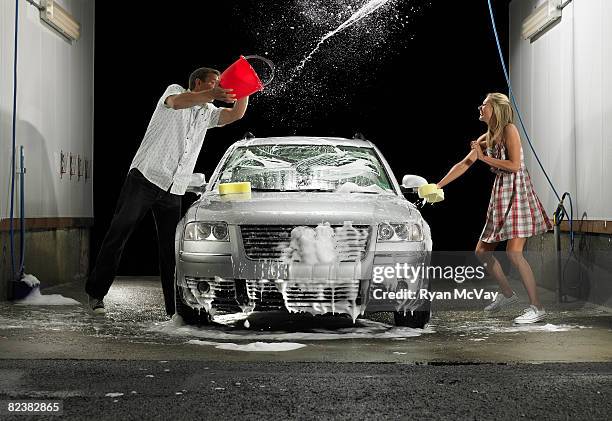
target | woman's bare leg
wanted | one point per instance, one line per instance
(514, 248)
(484, 253)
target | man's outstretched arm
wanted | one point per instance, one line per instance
(190, 99)
(229, 115)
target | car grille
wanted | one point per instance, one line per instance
(269, 241)
(303, 295)
(264, 292)
(300, 293)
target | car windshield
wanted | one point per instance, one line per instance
(307, 168)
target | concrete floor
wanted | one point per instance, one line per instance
(136, 327)
(136, 364)
(166, 390)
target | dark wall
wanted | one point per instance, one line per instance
(410, 79)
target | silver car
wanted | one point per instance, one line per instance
(325, 229)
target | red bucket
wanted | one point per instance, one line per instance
(242, 78)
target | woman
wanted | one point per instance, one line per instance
(515, 212)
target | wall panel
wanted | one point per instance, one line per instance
(563, 84)
(54, 108)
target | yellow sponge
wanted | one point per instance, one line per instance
(233, 188)
(431, 193)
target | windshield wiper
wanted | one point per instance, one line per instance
(271, 190)
(259, 189)
(293, 190)
(360, 191)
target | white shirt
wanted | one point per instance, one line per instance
(172, 142)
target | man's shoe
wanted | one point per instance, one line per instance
(96, 305)
(531, 315)
(500, 302)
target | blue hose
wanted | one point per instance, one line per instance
(518, 113)
(22, 214)
(12, 233)
(503, 63)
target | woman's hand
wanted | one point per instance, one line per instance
(476, 146)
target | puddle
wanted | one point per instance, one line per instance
(230, 329)
(135, 314)
(493, 326)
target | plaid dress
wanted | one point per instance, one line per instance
(514, 209)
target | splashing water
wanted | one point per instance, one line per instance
(368, 29)
(367, 9)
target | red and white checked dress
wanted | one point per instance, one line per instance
(514, 209)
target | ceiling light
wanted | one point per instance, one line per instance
(541, 19)
(60, 20)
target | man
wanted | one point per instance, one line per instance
(159, 175)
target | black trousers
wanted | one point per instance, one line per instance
(138, 196)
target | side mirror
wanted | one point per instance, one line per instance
(412, 182)
(197, 184)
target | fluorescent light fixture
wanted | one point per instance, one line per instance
(59, 19)
(541, 19)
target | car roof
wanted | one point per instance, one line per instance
(304, 140)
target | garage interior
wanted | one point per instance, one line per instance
(559, 79)
(62, 169)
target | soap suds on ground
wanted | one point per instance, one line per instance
(30, 280)
(538, 328)
(363, 329)
(251, 347)
(35, 298)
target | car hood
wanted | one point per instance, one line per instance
(305, 208)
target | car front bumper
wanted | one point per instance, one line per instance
(219, 276)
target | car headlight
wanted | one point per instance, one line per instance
(206, 231)
(400, 232)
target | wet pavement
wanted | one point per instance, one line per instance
(165, 390)
(136, 327)
(136, 363)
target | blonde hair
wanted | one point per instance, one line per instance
(503, 114)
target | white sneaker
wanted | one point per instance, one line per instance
(531, 315)
(500, 302)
